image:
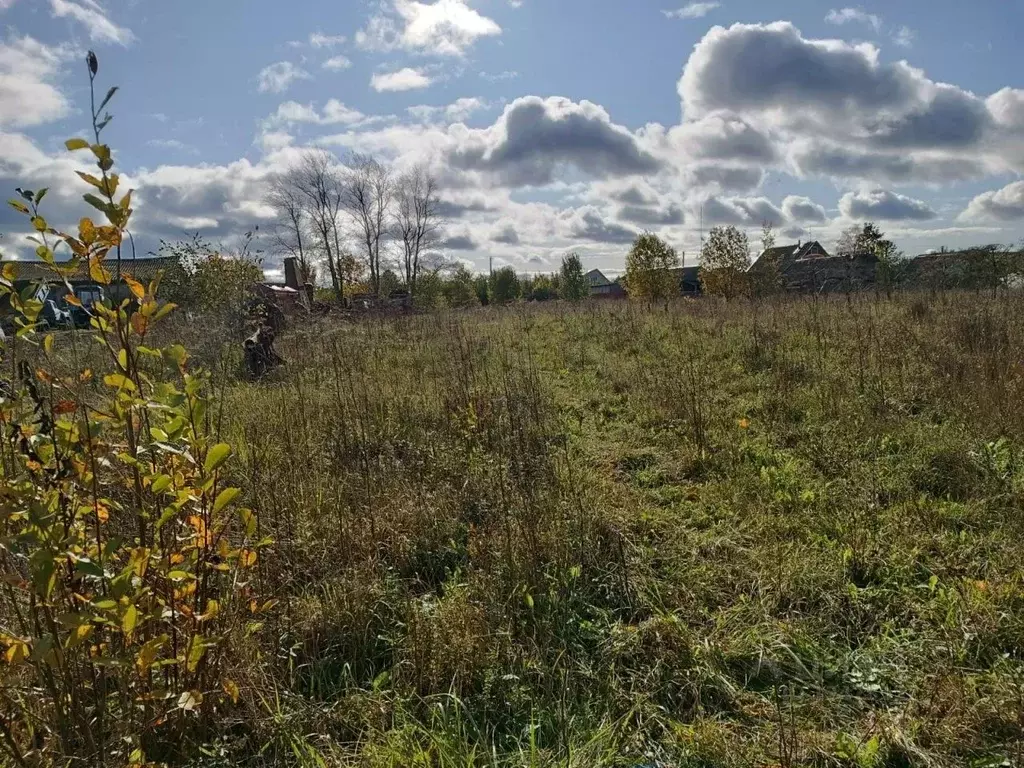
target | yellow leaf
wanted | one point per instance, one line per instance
(247, 558)
(129, 620)
(48, 344)
(743, 423)
(17, 652)
(75, 144)
(18, 205)
(98, 272)
(231, 689)
(87, 230)
(148, 653)
(79, 635)
(73, 300)
(119, 381)
(134, 286)
(212, 611)
(102, 513)
(90, 179)
(39, 223)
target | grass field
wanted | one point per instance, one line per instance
(698, 534)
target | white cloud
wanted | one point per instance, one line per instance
(5, 4)
(337, 63)
(884, 205)
(407, 79)
(803, 209)
(508, 74)
(848, 15)
(28, 71)
(319, 40)
(458, 111)
(333, 113)
(277, 77)
(92, 15)
(904, 37)
(442, 28)
(172, 144)
(692, 11)
(1006, 204)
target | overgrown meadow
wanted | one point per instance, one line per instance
(693, 533)
(607, 534)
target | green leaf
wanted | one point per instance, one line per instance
(107, 98)
(89, 568)
(217, 456)
(129, 620)
(248, 520)
(160, 484)
(41, 194)
(95, 202)
(224, 498)
(76, 144)
(18, 205)
(195, 653)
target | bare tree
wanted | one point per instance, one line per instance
(313, 185)
(417, 222)
(367, 195)
(291, 228)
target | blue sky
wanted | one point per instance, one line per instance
(553, 125)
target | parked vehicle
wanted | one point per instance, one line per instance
(58, 312)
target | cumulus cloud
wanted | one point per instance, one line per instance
(93, 17)
(320, 40)
(506, 234)
(1005, 205)
(651, 217)
(28, 73)
(726, 178)
(536, 137)
(843, 162)
(442, 28)
(885, 206)
(278, 77)
(337, 63)
(858, 15)
(773, 67)
(722, 137)
(692, 11)
(333, 113)
(462, 242)
(803, 209)
(588, 224)
(406, 79)
(741, 211)
(458, 111)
